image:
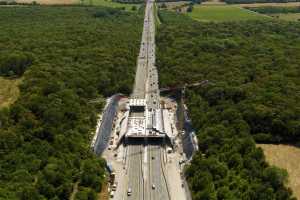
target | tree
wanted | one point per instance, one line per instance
(133, 8)
(15, 64)
(275, 176)
(190, 8)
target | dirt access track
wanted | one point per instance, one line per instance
(50, 2)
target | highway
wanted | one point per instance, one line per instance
(144, 159)
(156, 177)
(135, 182)
(146, 179)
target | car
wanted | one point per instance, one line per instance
(114, 186)
(129, 192)
(181, 161)
(153, 186)
(111, 194)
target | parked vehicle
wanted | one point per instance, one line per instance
(111, 194)
(114, 186)
(129, 192)
(112, 177)
(153, 186)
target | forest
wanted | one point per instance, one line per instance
(253, 96)
(69, 59)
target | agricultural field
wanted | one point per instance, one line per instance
(288, 158)
(172, 5)
(287, 16)
(109, 3)
(9, 91)
(290, 13)
(289, 4)
(219, 13)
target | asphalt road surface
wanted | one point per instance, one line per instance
(146, 179)
(158, 188)
(135, 182)
(143, 175)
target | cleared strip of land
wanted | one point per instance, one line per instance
(9, 91)
(286, 157)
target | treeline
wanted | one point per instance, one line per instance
(14, 64)
(71, 56)
(253, 93)
(258, 1)
(142, 1)
(275, 10)
(109, 12)
(129, 1)
(8, 2)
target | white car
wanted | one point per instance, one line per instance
(153, 187)
(114, 187)
(111, 194)
(129, 192)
